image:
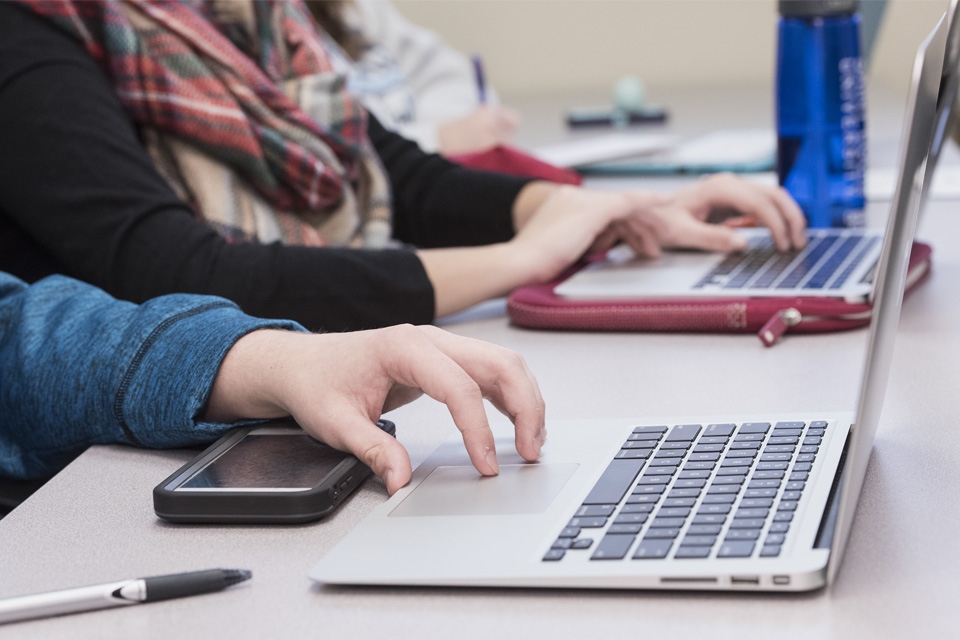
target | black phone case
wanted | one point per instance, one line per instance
(258, 507)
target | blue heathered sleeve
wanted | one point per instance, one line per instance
(78, 367)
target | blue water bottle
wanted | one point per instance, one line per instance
(820, 103)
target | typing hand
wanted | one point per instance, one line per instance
(685, 214)
(483, 128)
(336, 386)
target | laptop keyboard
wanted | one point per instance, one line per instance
(826, 262)
(724, 491)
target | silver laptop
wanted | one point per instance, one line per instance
(835, 263)
(753, 502)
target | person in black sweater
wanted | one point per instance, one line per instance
(79, 195)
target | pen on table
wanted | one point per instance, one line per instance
(118, 594)
(481, 80)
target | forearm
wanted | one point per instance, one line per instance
(465, 276)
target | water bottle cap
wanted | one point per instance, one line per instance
(817, 8)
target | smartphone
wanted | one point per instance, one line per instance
(271, 472)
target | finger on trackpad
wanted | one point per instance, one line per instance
(462, 491)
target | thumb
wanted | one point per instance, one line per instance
(376, 448)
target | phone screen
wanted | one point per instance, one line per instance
(272, 461)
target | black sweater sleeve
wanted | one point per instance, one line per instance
(79, 195)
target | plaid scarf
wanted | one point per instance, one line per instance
(243, 114)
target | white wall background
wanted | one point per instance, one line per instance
(533, 46)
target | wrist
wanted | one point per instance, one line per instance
(531, 197)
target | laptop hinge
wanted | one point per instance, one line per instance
(828, 523)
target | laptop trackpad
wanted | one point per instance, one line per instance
(462, 491)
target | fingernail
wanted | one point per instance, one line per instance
(491, 459)
(387, 476)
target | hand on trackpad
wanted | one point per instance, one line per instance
(460, 490)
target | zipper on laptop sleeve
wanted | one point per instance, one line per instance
(778, 324)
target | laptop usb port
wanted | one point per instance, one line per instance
(755, 580)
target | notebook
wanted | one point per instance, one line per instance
(747, 502)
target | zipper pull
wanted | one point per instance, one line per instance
(778, 324)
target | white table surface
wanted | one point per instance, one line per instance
(94, 522)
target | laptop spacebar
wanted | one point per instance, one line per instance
(615, 481)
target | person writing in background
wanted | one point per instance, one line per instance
(412, 80)
(78, 368)
(152, 148)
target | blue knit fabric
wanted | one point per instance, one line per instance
(78, 367)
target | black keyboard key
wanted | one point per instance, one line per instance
(818, 424)
(734, 480)
(660, 471)
(664, 462)
(773, 466)
(742, 453)
(667, 523)
(657, 429)
(724, 429)
(745, 445)
(774, 538)
(802, 466)
(679, 502)
(652, 549)
(587, 523)
(593, 511)
(637, 508)
(663, 533)
(754, 427)
(652, 438)
(681, 444)
(732, 471)
(687, 432)
(736, 549)
(692, 553)
(806, 457)
(716, 489)
(698, 541)
(646, 498)
(764, 484)
(775, 440)
(749, 437)
(783, 516)
(570, 532)
(708, 448)
(760, 493)
(779, 527)
(631, 444)
(709, 509)
(553, 555)
(689, 492)
(787, 432)
(694, 473)
(625, 528)
(631, 518)
(810, 440)
(791, 495)
(671, 453)
(798, 476)
(649, 489)
(787, 505)
(743, 534)
(702, 465)
(789, 425)
(746, 523)
(615, 481)
(673, 512)
(780, 448)
(720, 498)
(704, 457)
(713, 440)
(752, 513)
(562, 543)
(809, 448)
(648, 479)
(704, 529)
(813, 432)
(632, 454)
(582, 543)
(709, 518)
(612, 547)
(686, 484)
(745, 463)
(766, 475)
(770, 551)
(776, 457)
